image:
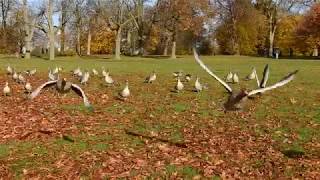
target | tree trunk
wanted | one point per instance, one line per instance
(89, 42)
(63, 26)
(174, 44)
(272, 31)
(28, 35)
(51, 30)
(141, 26)
(118, 44)
(78, 48)
(315, 52)
(165, 51)
(235, 43)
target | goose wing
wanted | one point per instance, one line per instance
(224, 84)
(265, 77)
(256, 76)
(81, 93)
(36, 92)
(282, 82)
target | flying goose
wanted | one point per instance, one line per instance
(179, 86)
(6, 90)
(125, 93)
(152, 77)
(198, 85)
(252, 75)
(236, 99)
(229, 77)
(62, 86)
(28, 87)
(9, 70)
(188, 77)
(235, 78)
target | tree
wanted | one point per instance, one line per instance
(275, 11)
(309, 29)
(29, 26)
(183, 15)
(241, 31)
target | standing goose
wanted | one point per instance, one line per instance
(235, 78)
(177, 74)
(108, 79)
(31, 72)
(104, 73)
(179, 86)
(62, 86)
(21, 79)
(76, 71)
(95, 72)
(252, 75)
(236, 99)
(9, 70)
(28, 87)
(198, 85)
(188, 77)
(152, 77)
(6, 90)
(85, 78)
(15, 76)
(229, 77)
(125, 93)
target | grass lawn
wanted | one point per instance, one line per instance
(158, 134)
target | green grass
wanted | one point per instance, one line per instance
(154, 111)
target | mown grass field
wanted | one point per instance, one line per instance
(182, 136)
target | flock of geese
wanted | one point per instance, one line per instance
(235, 100)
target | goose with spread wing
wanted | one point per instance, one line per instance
(62, 86)
(236, 99)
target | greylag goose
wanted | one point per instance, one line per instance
(85, 78)
(235, 78)
(76, 71)
(198, 85)
(21, 79)
(95, 72)
(28, 87)
(125, 93)
(229, 77)
(10, 70)
(236, 99)
(31, 72)
(252, 75)
(108, 79)
(15, 76)
(104, 73)
(152, 77)
(179, 86)
(52, 77)
(62, 86)
(6, 90)
(188, 77)
(177, 73)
